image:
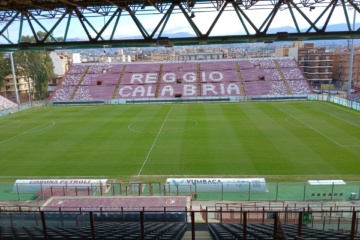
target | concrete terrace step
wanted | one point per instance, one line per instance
(204, 235)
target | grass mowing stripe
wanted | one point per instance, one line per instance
(8, 124)
(229, 139)
(303, 147)
(334, 129)
(41, 126)
(167, 157)
(310, 127)
(356, 124)
(327, 156)
(270, 141)
(157, 136)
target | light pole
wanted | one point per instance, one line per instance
(351, 57)
(14, 78)
(13, 71)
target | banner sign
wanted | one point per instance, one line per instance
(35, 185)
(307, 218)
(326, 182)
(217, 184)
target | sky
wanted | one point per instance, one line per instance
(228, 23)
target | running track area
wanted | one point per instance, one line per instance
(117, 203)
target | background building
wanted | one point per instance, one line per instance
(341, 66)
(315, 62)
(24, 87)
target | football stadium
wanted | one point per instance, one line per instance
(219, 139)
(224, 149)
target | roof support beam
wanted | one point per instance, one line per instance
(138, 23)
(116, 24)
(247, 18)
(48, 32)
(107, 24)
(78, 6)
(304, 16)
(166, 15)
(293, 17)
(164, 25)
(191, 22)
(216, 19)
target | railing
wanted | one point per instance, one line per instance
(79, 220)
(22, 107)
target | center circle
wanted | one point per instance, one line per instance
(170, 126)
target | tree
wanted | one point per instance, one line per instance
(35, 65)
(5, 68)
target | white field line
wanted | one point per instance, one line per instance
(9, 123)
(341, 145)
(344, 120)
(29, 131)
(307, 125)
(20, 113)
(175, 131)
(156, 138)
(351, 123)
(53, 123)
(296, 125)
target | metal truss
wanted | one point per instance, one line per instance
(99, 22)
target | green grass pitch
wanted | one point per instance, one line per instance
(288, 140)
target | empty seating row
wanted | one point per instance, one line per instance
(266, 232)
(6, 103)
(355, 97)
(258, 63)
(249, 77)
(260, 74)
(128, 231)
(185, 90)
(265, 88)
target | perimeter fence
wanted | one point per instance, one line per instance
(22, 107)
(272, 191)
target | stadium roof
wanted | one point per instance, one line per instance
(58, 17)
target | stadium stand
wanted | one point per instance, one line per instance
(226, 65)
(63, 93)
(298, 87)
(128, 231)
(260, 63)
(6, 103)
(355, 97)
(246, 77)
(78, 69)
(173, 217)
(266, 231)
(265, 88)
(287, 63)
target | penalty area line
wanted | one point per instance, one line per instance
(315, 130)
(34, 129)
(156, 138)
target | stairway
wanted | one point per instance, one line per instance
(282, 77)
(79, 84)
(119, 82)
(242, 89)
(198, 235)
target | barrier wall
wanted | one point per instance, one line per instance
(265, 98)
(21, 107)
(275, 191)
